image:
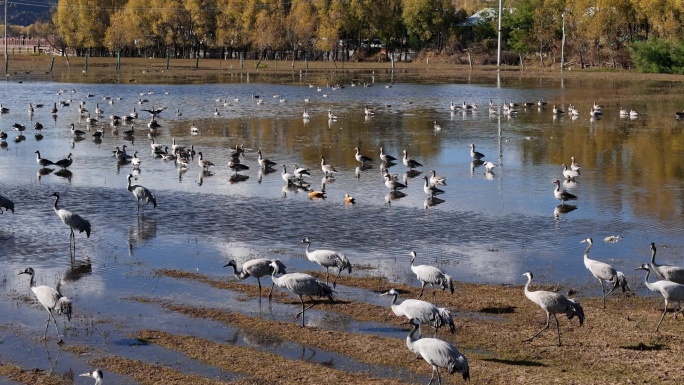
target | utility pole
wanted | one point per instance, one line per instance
(563, 44)
(498, 54)
(6, 57)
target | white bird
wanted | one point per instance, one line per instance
(287, 177)
(331, 116)
(141, 194)
(574, 166)
(305, 115)
(327, 259)
(386, 158)
(452, 106)
(300, 172)
(601, 271)
(408, 162)
(437, 180)
(431, 189)
(174, 146)
(439, 354)
(436, 125)
(633, 113)
(671, 291)
(361, 158)
(135, 161)
(96, 374)
(669, 272)
(568, 173)
(474, 154)
(156, 146)
(432, 275)
(553, 303)
(256, 268)
(263, 162)
(326, 168)
(368, 111)
(74, 221)
(90, 120)
(98, 110)
(42, 161)
(205, 164)
(6, 204)
(423, 312)
(193, 129)
(557, 111)
(623, 112)
(562, 195)
(51, 300)
(489, 166)
(301, 284)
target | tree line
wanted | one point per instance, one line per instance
(615, 33)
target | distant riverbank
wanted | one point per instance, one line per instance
(154, 70)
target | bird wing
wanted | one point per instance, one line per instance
(428, 273)
(424, 312)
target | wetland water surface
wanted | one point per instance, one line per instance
(487, 228)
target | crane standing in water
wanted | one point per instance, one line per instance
(52, 300)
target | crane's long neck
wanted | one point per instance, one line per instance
(32, 284)
(38, 154)
(394, 301)
(277, 281)
(411, 339)
(307, 251)
(653, 254)
(527, 287)
(55, 205)
(586, 252)
(558, 189)
(648, 284)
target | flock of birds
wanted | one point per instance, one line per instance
(436, 352)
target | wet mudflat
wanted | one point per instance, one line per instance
(150, 289)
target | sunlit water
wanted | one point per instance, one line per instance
(489, 228)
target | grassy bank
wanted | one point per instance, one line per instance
(154, 70)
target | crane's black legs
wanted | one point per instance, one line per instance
(304, 309)
(548, 321)
(422, 287)
(661, 318)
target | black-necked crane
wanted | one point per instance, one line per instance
(669, 272)
(96, 374)
(327, 259)
(432, 275)
(553, 303)
(52, 300)
(439, 354)
(256, 268)
(671, 291)
(141, 194)
(301, 284)
(74, 221)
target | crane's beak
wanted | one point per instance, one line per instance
(85, 375)
(226, 265)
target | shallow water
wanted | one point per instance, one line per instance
(489, 228)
